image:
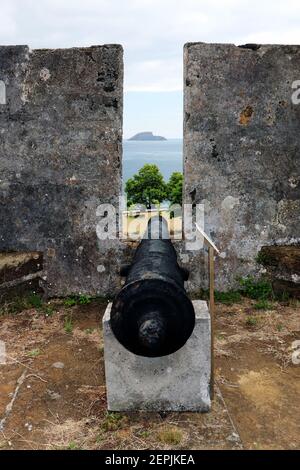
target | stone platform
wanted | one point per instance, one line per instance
(177, 382)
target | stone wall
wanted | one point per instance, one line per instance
(61, 150)
(242, 152)
(60, 157)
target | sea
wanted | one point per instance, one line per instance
(166, 154)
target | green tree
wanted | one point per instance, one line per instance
(174, 188)
(147, 187)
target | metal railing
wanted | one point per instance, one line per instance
(212, 249)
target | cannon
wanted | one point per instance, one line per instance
(152, 315)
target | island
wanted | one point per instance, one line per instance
(147, 136)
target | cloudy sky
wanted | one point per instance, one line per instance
(152, 33)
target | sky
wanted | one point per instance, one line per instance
(152, 33)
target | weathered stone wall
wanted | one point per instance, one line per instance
(60, 157)
(242, 151)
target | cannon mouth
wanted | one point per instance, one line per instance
(152, 331)
(152, 318)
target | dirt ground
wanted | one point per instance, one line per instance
(52, 387)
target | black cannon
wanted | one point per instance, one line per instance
(152, 315)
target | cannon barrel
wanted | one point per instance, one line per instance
(152, 315)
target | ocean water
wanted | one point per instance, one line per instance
(167, 155)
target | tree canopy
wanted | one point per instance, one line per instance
(174, 188)
(148, 187)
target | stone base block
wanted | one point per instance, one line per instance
(178, 382)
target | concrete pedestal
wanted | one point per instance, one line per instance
(178, 382)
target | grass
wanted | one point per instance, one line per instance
(8, 308)
(295, 303)
(21, 302)
(24, 302)
(113, 421)
(263, 305)
(256, 289)
(100, 437)
(68, 325)
(28, 300)
(228, 298)
(89, 331)
(144, 434)
(251, 321)
(34, 353)
(35, 300)
(264, 259)
(84, 299)
(219, 336)
(70, 302)
(48, 310)
(170, 435)
(72, 446)
(279, 327)
(77, 300)
(283, 296)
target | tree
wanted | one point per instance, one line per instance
(174, 188)
(147, 187)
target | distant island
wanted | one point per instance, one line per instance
(147, 136)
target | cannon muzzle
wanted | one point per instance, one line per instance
(152, 315)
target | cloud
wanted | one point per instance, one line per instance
(8, 24)
(152, 31)
(271, 37)
(154, 75)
